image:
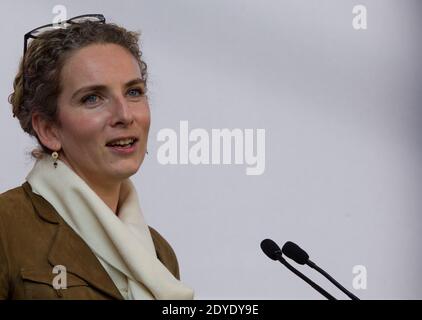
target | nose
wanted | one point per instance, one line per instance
(122, 113)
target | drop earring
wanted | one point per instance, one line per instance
(55, 156)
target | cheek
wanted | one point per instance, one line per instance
(81, 130)
(144, 118)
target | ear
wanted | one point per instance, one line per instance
(47, 132)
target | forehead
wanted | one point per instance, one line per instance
(99, 64)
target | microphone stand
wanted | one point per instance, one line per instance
(332, 280)
(305, 278)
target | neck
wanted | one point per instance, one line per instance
(108, 191)
(110, 194)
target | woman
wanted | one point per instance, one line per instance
(74, 229)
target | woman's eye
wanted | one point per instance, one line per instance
(90, 99)
(136, 92)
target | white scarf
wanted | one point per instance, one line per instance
(123, 242)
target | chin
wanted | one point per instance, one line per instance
(123, 175)
(127, 171)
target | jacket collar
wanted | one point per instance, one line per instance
(42, 207)
(69, 250)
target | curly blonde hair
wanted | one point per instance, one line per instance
(39, 90)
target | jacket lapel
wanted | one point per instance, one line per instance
(69, 250)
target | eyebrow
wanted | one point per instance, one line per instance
(101, 87)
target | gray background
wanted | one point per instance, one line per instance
(341, 109)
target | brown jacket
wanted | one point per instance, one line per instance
(34, 239)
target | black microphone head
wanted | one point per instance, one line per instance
(271, 249)
(294, 252)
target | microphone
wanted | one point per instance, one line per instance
(296, 253)
(273, 251)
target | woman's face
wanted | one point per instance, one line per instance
(102, 100)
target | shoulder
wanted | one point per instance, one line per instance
(18, 218)
(14, 194)
(13, 202)
(15, 214)
(165, 252)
